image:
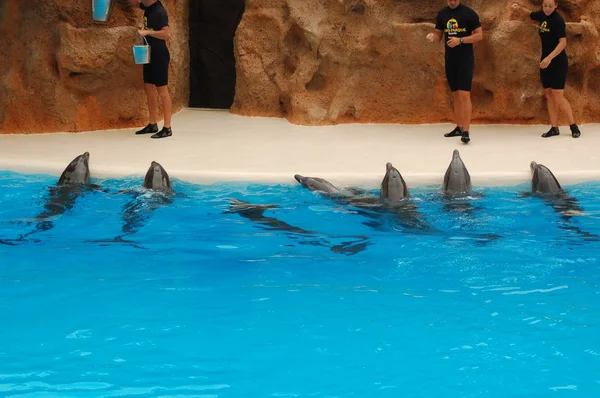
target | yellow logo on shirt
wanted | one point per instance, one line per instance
(452, 27)
(544, 27)
(146, 24)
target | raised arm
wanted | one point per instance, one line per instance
(522, 11)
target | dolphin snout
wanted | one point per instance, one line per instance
(299, 178)
(456, 154)
(86, 155)
(533, 165)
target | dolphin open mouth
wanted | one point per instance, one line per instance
(299, 178)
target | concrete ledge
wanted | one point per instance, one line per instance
(211, 146)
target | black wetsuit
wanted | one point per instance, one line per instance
(552, 29)
(458, 22)
(157, 71)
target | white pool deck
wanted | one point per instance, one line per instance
(211, 146)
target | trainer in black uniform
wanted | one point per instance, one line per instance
(554, 63)
(156, 73)
(461, 28)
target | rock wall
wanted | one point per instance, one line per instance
(61, 71)
(335, 61)
(310, 61)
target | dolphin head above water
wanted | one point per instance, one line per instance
(457, 179)
(77, 172)
(157, 178)
(542, 179)
(317, 184)
(393, 186)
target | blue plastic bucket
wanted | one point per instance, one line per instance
(141, 53)
(101, 10)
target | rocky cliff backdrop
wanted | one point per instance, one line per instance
(61, 71)
(310, 61)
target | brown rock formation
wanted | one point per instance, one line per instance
(61, 71)
(334, 61)
(310, 61)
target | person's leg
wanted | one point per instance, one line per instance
(552, 113)
(466, 107)
(458, 109)
(451, 77)
(547, 78)
(165, 97)
(562, 103)
(559, 80)
(152, 99)
(465, 81)
(162, 80)
(166, 101)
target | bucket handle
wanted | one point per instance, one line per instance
(144, 37)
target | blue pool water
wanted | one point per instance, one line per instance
(499, 296)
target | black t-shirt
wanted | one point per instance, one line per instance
(458, 22)
(155, 18)
(552, 28)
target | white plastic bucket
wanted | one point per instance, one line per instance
(141, 53)
(101, 10)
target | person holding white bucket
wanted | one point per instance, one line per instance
(156, 72)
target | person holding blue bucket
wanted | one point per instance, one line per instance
(156, 72)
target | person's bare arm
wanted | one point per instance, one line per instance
(476, 36)
(163, 34)
(435, 36)
(562, 44)
(523, 12)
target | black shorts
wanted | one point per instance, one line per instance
(157, 71)
(459, 72)
(555, 75)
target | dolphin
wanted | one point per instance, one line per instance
(458, 192)
(389, 202)
(316, 184)
(457, 181)
(73, 183)
(542, 180)
(546, 185)
(77, 172)
(393, 186)
(157, 178)
(255, 213)
(157, 192)
(457, 198)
